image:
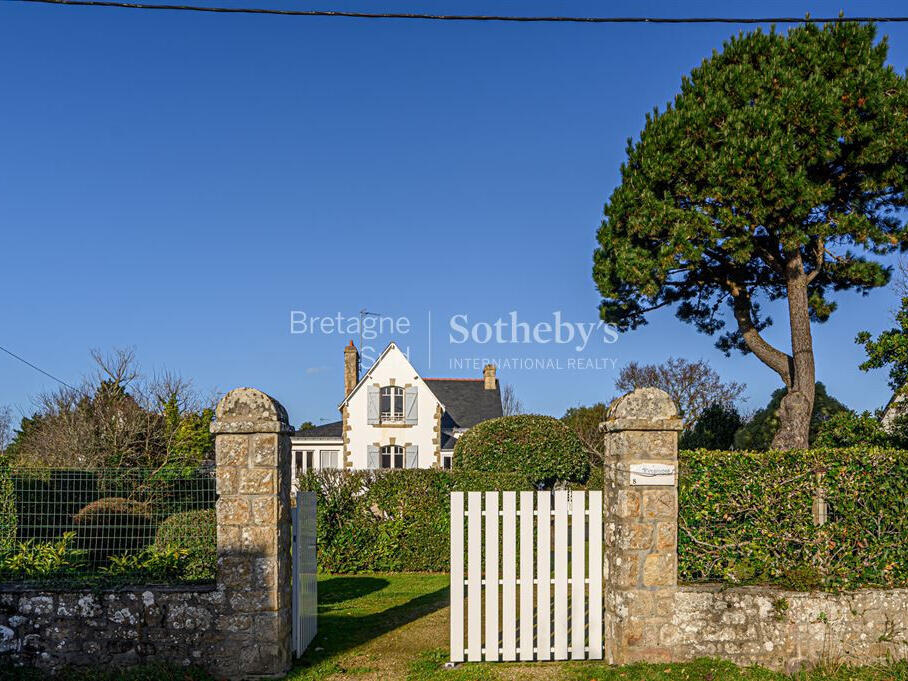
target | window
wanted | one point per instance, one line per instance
(446, 461)
(327, 458)
(391, 404)
(302, 460)
(392, 456)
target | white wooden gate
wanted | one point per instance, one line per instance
(305, 587)
(532, 589)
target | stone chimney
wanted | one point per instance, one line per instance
(351, 368)
(488, 374)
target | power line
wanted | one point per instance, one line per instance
(37, 368)
(474, 17)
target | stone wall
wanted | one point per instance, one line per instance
(55, 629)
(649, 618)
(785, 630)
(240, 628)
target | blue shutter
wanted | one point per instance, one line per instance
(372, 416)
(412, 456)
(410, 405)
(372, 459)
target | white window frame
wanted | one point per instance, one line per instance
(392, 415)
(332, 459)
(395, 455)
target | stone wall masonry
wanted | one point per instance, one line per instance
(785, 630)
(238, 629)
(55, 629)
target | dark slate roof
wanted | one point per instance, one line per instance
(326, 430)
(447, 440)
(466, 401)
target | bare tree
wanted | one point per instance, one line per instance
(6, 428)
(115, 417)
(510, 404)
(692, 385)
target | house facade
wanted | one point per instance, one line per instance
(392, 417)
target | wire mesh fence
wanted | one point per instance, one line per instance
(107, 526)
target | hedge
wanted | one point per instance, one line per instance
(746, 517)
(541, 448)
(391, 521)
(195, 534)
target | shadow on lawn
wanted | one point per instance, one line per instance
(340, 589)
(338, 633)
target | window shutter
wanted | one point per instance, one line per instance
(412, 453)
(372, 406)
(410, 405)
(372, 462)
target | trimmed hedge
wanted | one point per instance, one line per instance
(541, 448)
(113, 526)
(193, 533)
(746, 517)
(391, 521)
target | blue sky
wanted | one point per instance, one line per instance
(179, 183)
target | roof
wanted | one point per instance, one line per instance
(368, 374)
(326, 430)
(466, 401)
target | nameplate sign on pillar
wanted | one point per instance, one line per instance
(652, 474)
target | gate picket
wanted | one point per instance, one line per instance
(497, 625)
(491, 627)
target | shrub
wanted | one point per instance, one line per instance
(41, 560)
(151, 565)
(746, 517)
(112, 526)
(391, 521)
(195, 534)
(542, 448)
(714, 429)
(9, 519)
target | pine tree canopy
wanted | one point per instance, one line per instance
(783, 157)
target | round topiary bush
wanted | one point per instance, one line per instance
(194, 532)
(539, 447)
(113, 526)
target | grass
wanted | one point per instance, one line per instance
(395, 627)
(386, 627)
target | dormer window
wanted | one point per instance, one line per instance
(391, 404)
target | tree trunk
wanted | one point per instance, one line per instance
(797, 406)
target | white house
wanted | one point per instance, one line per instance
(394, 418)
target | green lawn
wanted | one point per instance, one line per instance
(394, 627)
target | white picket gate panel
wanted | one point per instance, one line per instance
(536, 591)
(304, 586)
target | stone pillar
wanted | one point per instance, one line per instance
(641, 525)
(252, 447)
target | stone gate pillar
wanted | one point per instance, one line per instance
(641, 525)
(252, 449)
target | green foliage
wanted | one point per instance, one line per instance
(775, 144)
(889, 349)
(9, 519)
(34, 560)
(112, 526)
(306, 425)
(715, 429)
(541, 448)
(149, 566)
(758, 432)
(391, 521)
(847, 429)
(188, 434)
(746, 517)
(195, 534)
